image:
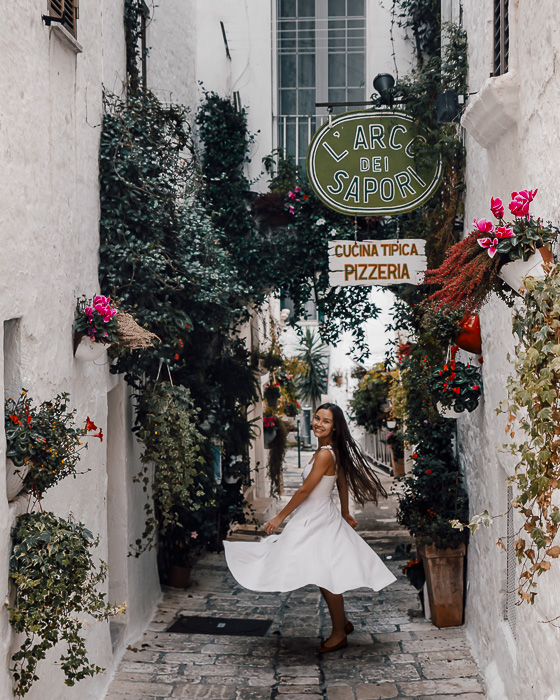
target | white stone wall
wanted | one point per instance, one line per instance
(49, 202)
(512, 143)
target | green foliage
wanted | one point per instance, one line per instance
(422, 19)
(312, 381)
(457, 385)
(174, 451)
(56, 582)
(372, 393)
(276, 453)
(44, 438)
(533, 410)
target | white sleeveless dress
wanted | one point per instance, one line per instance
(317, 546)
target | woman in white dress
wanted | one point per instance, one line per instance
(318, 545)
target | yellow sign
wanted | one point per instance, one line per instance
(385, 262)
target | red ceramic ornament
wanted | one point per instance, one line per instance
(470, 339)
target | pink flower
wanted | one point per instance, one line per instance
(194, 535)
(519, 205)
(490, 244)
(503, 232)
(484, 226)
(291, 195)
(497, 207)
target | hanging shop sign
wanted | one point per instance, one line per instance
(385, 262)
(363, 164)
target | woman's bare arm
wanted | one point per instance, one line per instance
(323, 461)
(343, 493)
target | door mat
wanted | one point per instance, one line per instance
(220, 625)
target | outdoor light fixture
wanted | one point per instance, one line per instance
(383, 83)
(448, 106)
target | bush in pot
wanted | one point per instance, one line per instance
(45, 440)
(473, 267)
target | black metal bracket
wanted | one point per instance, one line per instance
(49, 19)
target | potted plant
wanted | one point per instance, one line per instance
(56, 586)
(95, 327)
(270, 428)
(492, 254)
(457, 386)
(395, 440)
(272, 393)
(370, 399)
(337, 378)
(43, 443)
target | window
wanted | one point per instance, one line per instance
(501, 36)
(321, 58)
(68, 11)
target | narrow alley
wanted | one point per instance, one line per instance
(394, 651)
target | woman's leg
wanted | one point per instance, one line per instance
(335, 604)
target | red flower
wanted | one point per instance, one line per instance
(481, 360)
(456, 390)
(99, 434)
(180, 343)
(176, 356)
(428, 471)
(15, 419)
(28, 420)
(476, 387)
(414, 456)
(306, 196)
(446, 368)
(90, 425)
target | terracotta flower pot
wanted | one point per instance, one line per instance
(14, 479)
(470, 339)
(397, 465)
(444, 570)
(179, 576)
(515, 272)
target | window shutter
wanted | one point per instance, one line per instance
(501, 36)
(68, 11)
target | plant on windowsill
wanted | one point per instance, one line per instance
(55, 580)
(43, 442)
(480, 263)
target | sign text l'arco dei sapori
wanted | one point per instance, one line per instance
(384, 262)
(363, 164)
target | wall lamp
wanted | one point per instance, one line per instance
(383, 83)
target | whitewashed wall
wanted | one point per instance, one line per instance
(512, 143)
(49, 230)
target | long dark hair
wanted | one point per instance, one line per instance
(363, 483)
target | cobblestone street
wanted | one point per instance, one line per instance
(393, 653)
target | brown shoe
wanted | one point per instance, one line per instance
(348, 627)
(323, 649)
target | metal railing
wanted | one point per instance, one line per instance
(375, 446)
(294, 133)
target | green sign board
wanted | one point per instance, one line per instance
(362, 164)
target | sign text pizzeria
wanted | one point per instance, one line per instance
(381, 262)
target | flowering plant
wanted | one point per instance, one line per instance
(457, 385)
(471, 267)
(96, 319)
(295, 195)
(272, 392)
(45, 438)
(269, 422)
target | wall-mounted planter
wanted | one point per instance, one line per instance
(470, 339)
(86, 350)
(268, 435)
(515, 272)
(14, 479)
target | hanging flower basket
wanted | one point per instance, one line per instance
(88, 350)
(15, 478)
(514, 273)
(270, 430)
(457, 386)
(470, 339)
